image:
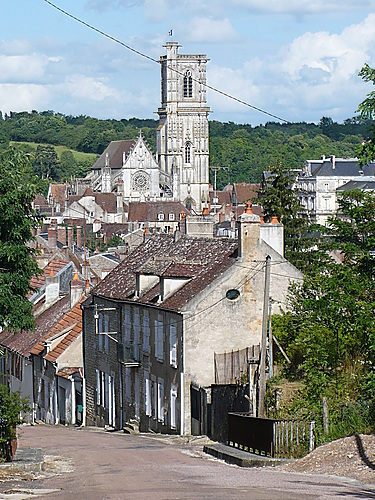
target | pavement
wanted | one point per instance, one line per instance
(93, 464)
(239, 457)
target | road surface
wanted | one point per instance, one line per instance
(86, 463)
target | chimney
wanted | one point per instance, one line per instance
(87, 287)
(248, 226)
(333, 161)
(75, 290)
(79, 236)
(61, 235)
(205, 211)
(52, 240)
(272, 233)
(52, 288)
(146, 234)
(70, 237)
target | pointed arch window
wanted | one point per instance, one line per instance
(188, 84)
(188, 152)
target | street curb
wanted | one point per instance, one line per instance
(28, 459)
(240, 457)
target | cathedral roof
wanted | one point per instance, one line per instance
(115, 152)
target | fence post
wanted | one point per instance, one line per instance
(312, 436)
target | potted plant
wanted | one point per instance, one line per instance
(11, 406)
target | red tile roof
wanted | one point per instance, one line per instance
(23, 342)
(246, 192)
(59, 194)
(55, 265)
(67, 372)
(201, 259)
(72, 319)
(224, 197)
(148, 211)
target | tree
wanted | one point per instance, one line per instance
(46, 163)
(279, 198)
(366, 109)
(329, 331)
(17, 220)
(11, 406)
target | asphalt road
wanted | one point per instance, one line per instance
(93, 464)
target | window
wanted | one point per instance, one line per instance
(326, 204)
(188, 84)
(159, 344)
(127, 326)
(98, 391)
(160, 216)
(171, 217)
(146, 333)
(326, 187)
(173, 344)
(173, 415)
(136, 334)
(161, 400)
(148, 396)
(99, 332)
(106, 329)
(188, 152)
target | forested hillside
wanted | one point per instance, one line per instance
(246, 150)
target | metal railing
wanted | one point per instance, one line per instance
(275, 438)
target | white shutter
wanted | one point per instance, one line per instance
(161, 400)
(98, 382)
(173, 415)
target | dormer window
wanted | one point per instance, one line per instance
(160, 216)
(171, 216)
(188, 84)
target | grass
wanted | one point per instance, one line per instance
(78, 155)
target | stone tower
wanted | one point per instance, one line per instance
(182, 137)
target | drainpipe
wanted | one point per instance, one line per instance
(73, 408)
(182, 384)
(55, 398)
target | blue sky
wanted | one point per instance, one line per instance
(296, 59)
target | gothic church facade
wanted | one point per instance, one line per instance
(180, 170)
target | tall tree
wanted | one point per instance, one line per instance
(279, 198)
(17, 219)
(367, 112)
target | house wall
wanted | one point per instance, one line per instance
(213, 323)
(150, 373)
(44, 390)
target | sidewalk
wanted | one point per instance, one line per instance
(242, 458)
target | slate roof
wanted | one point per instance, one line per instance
(343, 168)
(201, 259)
(23, 342)
(148, 211)
(363, 185)
(115, 151)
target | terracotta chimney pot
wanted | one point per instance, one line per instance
(274, 219)
(248, 209)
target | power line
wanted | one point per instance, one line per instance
(128, 47)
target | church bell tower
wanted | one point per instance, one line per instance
(182, 136)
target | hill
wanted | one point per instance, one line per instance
(245, 149)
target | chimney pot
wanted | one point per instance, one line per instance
(248, 209)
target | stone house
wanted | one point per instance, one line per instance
(166, 216)
(319, 182)
(57, 366)
(152, 326)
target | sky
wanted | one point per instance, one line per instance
(295, 59)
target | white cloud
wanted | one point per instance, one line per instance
(337, 56)
(20, 97)
(83, 87)
(23, 68)
(298, 7)
(210, 30)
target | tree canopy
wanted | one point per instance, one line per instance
(17, 220)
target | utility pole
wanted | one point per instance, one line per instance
(215, 170)
(263, 353)
(270, 340)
